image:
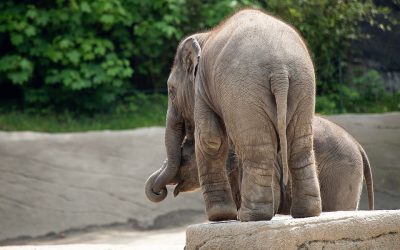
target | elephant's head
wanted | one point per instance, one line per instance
(179, 120)
(187, 178)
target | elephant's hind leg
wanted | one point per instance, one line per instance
(257, 150)
(211, 155)
(306, 198)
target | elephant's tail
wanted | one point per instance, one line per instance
(280, 87)
(368, 178)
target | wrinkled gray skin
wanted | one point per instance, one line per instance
(341, 164)
(250, 81)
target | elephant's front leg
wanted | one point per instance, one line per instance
(211, 154)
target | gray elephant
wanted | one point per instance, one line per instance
(250, 80)
(341, 164)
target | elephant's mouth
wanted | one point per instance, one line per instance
(174, 182)
(188, 185)
(177, 189)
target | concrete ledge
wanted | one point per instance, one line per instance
(333, 230)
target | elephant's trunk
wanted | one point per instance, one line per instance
(174, 135)
(156, 196)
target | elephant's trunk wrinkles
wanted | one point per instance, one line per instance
(174, 134)
(155, 196)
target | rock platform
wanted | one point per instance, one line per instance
(331, 230)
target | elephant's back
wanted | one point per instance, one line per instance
(333, 143)
(339, 164)
(252, 41)
(243, 53)
(255, 27)
(330, 138)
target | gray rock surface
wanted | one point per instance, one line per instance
(334, 230)
(57, 182)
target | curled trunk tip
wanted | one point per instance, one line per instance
(149, 187)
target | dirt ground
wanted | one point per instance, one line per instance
(110, 238)
(117, 236)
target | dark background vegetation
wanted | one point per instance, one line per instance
(103, 64)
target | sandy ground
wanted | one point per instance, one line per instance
(115, 236)
(169, 234)
(168, 239)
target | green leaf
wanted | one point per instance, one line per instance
(25, 64)
(74, 56)
(100, 50)
(107, 19)
(54, 55)
(42, 19)
(32, 13)
(30, 31)
(16, 39)
(85, 7)
(9, 62)
(18, 77)
(65, 43)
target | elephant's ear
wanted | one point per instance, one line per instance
(191, 51)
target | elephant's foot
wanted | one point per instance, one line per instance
(307, 206)
(219, 202)
(261, 212)
(306, 199)
(221, 211)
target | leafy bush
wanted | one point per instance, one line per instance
(62, 52)
(87, 55)
(329, 27)
(365, 93)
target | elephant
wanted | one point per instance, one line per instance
(341, 164)
(249, 81)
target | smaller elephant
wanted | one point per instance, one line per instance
(341, 165)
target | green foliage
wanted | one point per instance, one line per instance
(62, 50)
(329, 28)
(325, 105)
(89, 55)
(364, 94)
(16, 68)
